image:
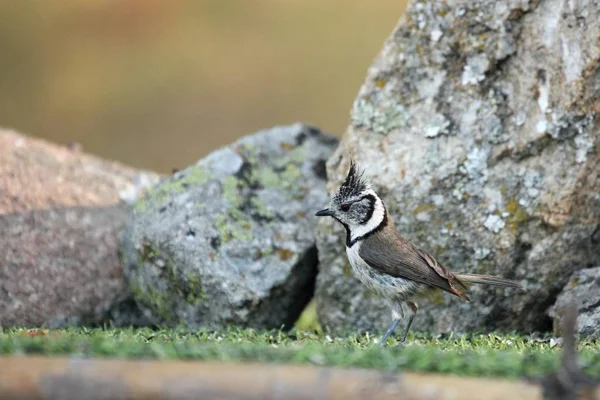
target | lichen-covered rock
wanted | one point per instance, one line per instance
(478, 124)
(61, 215)
(584, 289)
(230, 240)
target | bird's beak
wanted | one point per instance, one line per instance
(324, 213)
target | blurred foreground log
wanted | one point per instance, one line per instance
(71, 378)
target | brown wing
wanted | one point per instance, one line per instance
(391, 254)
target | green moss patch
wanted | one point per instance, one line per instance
(508, 356)
(161, 302)
(171, 186)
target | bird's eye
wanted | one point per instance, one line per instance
(345, 207)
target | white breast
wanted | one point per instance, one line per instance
(386, 285)
(357, 263)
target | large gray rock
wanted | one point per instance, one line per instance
(584, 289)
(477, 123)
(61, 216)
(230, 240)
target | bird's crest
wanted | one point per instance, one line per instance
(354, 184)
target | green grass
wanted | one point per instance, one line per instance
(508, 356)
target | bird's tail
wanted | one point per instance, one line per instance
(488, 280)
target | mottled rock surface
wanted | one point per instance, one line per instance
(478, 124)
(230, 240)
(61, 214)
(584, 289)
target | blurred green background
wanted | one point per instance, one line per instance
(159, 84)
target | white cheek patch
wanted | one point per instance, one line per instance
(373, 222)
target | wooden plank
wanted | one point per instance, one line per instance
(71, 378)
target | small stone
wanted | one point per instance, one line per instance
(555, 342)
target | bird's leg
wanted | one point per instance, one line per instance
(397, 315)
(414, 308)
(389, 332)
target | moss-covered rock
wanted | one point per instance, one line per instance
(478, 124)
(230, 239)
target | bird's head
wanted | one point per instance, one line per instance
(356, 205)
